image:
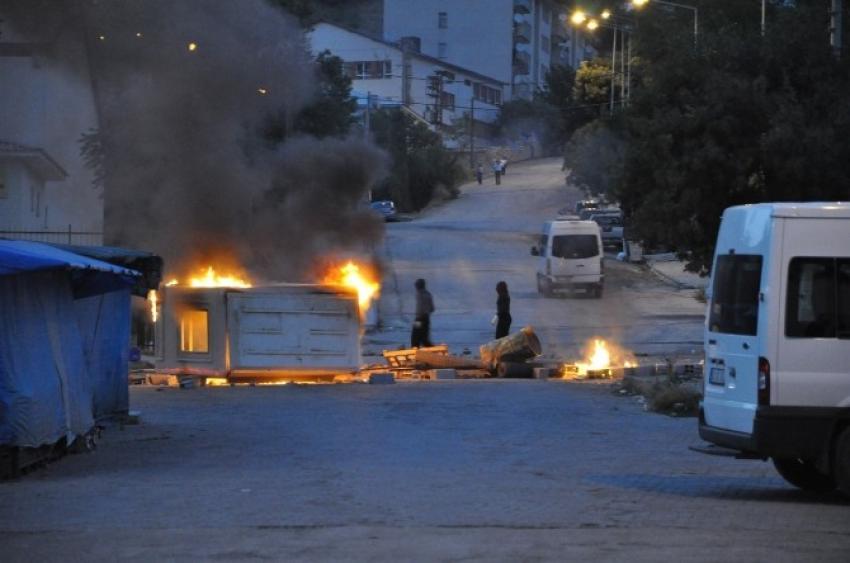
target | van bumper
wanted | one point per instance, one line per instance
(568, 282)
(782, 432)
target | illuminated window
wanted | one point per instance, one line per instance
(194, 331)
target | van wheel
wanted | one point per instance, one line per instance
(544, 286)
(803, 474)
(842, 462)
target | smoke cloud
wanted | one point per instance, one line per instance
(184, 90)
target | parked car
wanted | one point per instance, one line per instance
(386, 208)
(587, 214)
(611, 226)
(586, 204)
(777, 341)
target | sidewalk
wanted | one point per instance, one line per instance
(667, 267)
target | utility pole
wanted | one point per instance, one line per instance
(367, 125)
(763, 16)
(622, 66)
(472, 131)
(835, 27)
(613, 69)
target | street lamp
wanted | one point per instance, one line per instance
(642, 3)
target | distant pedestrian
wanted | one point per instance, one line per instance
(503, 162)
(497, 171)
(503, 310)
(479, 174)
(421, 333)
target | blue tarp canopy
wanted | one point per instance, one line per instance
(89, 276)
(64, 342)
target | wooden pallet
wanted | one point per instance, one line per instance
(407, 358)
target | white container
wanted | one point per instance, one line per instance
(264, 333)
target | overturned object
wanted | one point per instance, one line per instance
(514, 348)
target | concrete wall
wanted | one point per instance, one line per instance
(47, 102)
(478, 34)
(350, 46)
(22, 202)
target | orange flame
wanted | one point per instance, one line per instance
(599, 356)
(358, 278)
(153, 298)
(211, 279)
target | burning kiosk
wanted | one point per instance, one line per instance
(270, 333)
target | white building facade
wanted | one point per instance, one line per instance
(515, 41)
(434, 91)
(46, 191)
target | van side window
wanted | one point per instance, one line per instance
(575, 246)
(818, 298)
(735, 294)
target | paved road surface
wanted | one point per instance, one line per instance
(474, 470)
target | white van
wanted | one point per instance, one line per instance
(570, 257)
(777, 340)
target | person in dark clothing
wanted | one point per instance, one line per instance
(421, 333)
(503, 310)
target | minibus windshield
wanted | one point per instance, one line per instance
(735, 294)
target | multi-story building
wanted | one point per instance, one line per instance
(398, 74)
(514, 41)
(47, 105)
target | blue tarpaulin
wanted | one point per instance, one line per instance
(64, 336)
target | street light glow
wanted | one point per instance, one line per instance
(578, 17)
(592, 24)
(639, 3)
(606, 14)
(193, 46)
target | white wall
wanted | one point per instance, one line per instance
(48, 103)
(354, 47)
(479, 34)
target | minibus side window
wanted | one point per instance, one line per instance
(843, 278)
(812, 302)
(735, 294)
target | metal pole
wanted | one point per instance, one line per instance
(367, 125)
(629, 69)
(763, 14)
(835, 25)
(622, 67)
(613, 69)
(472, 131)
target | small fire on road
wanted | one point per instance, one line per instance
(600, 359)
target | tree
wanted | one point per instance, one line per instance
(738, 119)
(422, 168)
(332, 113)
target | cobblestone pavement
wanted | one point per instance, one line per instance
(484, 470)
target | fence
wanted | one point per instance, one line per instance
(70, 236)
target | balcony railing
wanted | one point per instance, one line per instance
(522, 32)
(82, 238)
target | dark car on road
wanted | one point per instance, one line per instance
(386, 208)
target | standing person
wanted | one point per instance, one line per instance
(503, 162)
(479, 174)
(421, 333)
(503, 310)
(497, 171)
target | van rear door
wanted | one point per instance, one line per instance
(575, 255)
(732, 350)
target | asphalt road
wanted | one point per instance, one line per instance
(464, 247)
(492, 470)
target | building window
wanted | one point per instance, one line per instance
(194, 331)
(443, 20)
(545, 43)
(368, 70)
(447, 100)
(442, 50)
(484, 93)
(3, 192)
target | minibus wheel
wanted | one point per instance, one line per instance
(842, 462)
(803, 474)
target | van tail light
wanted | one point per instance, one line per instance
(764, 382)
